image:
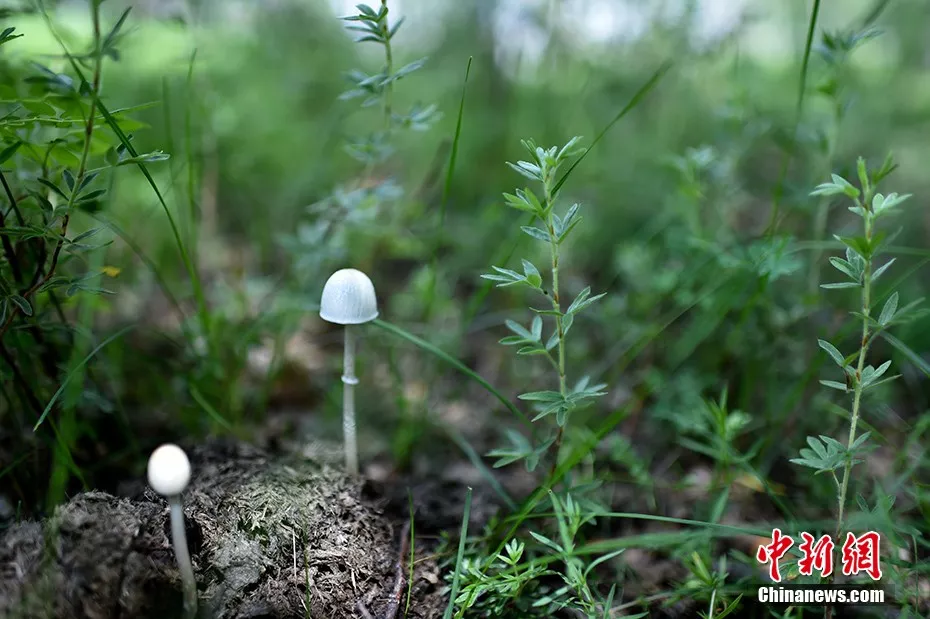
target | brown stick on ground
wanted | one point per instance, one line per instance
(391, 611)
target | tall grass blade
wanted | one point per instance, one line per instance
(798, 109)
(75, 370)
(459, 558)
(461, 367)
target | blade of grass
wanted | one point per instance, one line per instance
(192, 204)
(77, 368)
(476, 461)
(208, 409)
(906, 350)
(447, 186)
(874, 13)
(461, 367)
(459, 558)
(633, 102)
(412, 554)
(798, 109)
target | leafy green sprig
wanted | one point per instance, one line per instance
(861, 270)
(378, 88)
(551, 229)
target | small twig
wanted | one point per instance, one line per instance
(10, 253)
(14, 203)
(397, 593)
(294, 542)
(364, 611)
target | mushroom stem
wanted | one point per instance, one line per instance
(348, 402)
(179, 540)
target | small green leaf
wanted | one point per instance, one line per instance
(862, 173)
(541, 396)
(879, 271)
(858, 244)
(22, 304)
(519, 330)
(536, 233)
(838, 285)
(832, 384)
(9, 151)
(52, 186)
(888, 311)
(834, 353)
(553, 340)
(583, 300)
(536, 328)
(827, 189)
(845, 267)
(146, 158)
(531, 273)
(876, 374)
(847, 187)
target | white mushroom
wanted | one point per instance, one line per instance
(169, 472)
(349, 299)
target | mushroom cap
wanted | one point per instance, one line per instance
(169, 470)
(348, 298)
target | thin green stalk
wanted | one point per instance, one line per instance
(863, 349)
(823, 211)
(459, 559)
(557, 306)
(446, 190)
(798, 110)
(388, 70)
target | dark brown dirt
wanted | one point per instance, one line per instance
(270, 538)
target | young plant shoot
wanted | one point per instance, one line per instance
(551, 231)
(349, 299)
(861, 270)
(169, 472)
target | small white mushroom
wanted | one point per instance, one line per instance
(349, 299)
(169, 472)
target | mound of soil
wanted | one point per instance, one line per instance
(270, 538)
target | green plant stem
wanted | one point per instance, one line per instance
(857, 397)
(798, 110)
(557, 306)
(388, 70)
(823, 212)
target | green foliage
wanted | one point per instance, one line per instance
(552, 230)
(827, 454)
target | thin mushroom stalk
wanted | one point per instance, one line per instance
(179, 541)
(169, 472)
(349, 300)
(349, 381)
